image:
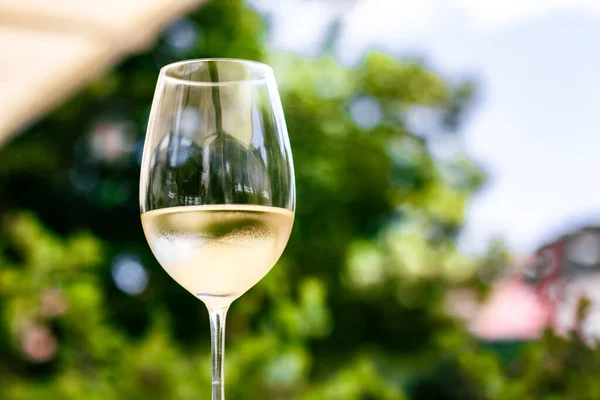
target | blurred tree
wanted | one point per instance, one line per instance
(354, 310)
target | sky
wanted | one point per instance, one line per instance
(535, 123)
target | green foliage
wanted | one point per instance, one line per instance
(353, 310)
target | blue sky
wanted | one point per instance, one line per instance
(535, 125)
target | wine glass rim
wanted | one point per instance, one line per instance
(266, 69)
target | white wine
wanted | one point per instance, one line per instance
(218, 252)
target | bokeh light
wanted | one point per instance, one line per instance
(129, 274)
(366, 112)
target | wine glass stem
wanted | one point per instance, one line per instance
(217, 336)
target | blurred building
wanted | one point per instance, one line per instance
(547, 293)
(565, 271)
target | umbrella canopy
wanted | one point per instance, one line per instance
(52, 48)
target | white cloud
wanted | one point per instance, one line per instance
(399, 20)
(495, 14)
(299, 25)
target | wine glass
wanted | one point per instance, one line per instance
(217, 192)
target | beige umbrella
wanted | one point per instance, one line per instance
(51, 48)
